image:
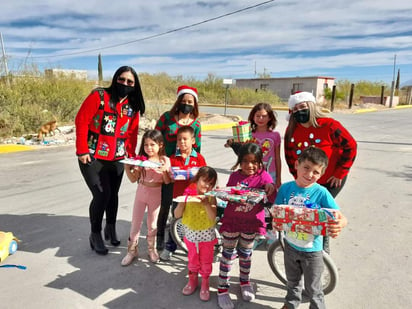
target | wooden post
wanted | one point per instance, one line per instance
(332, 100)
(382, 91)
(352, 87)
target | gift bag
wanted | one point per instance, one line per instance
(242, 132)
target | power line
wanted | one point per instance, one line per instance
(159, 34)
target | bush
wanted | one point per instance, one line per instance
(30, 100)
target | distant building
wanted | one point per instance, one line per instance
(78, 74)
(285, 86)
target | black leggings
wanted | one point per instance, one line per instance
(334, 192)
(103, 179)
(167, 198)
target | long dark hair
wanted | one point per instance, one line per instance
(272, 122)
(135, 98)
(207, 172)
(155, 136)
(249, 148)
(175, 108)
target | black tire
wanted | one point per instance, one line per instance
(177, 231)
(275, 257)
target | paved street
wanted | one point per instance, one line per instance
(44, 201)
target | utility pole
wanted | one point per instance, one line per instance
(6, 69)
(393, 83)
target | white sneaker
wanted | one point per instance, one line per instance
(166, 255)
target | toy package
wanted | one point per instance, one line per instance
(184, 174)
(239, 194)
(141, 161)
(242, 132)
(301, 219)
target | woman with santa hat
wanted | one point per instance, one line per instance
(184, 112)
(307, 127)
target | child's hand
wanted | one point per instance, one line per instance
(336, 226)
(269, 189)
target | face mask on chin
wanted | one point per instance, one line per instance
(186, 108)
(301, 116)
(124, 90)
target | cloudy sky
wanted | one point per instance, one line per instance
(346, 39)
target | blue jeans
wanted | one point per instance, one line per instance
(310, 265)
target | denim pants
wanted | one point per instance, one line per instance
(310, 265)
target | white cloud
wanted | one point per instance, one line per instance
(282, 36)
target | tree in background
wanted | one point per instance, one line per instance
(100, 70)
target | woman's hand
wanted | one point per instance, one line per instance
(334, 182)
(85, 158)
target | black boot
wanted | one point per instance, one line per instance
(110, 234)
(97, 244)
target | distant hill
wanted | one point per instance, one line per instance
(408, 83)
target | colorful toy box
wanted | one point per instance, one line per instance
(184, 174)
(239, 194)
(242, 132)
(301, 219)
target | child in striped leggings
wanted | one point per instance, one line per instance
(241, 223)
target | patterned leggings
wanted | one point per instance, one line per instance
(235, 244)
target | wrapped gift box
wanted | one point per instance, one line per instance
(142, 163)
(239, 195)
(184, 174)
(300, 219)
(242, 132)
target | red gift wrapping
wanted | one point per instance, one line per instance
(300, 219)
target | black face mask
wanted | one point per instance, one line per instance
(301, 116)
(186, 108)
(123, 90)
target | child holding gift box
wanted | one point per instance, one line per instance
(149, 181)
(184, 158)
(241, 223)
(303, 251)
(263, 121)
(199, 219)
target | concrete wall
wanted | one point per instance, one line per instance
(284, 87)
(377, 100)
(78, 74)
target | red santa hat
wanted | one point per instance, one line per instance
(300, 97)
(186, 89)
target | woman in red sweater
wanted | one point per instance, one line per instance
(106, 131)
(309, 127)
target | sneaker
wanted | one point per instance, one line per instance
(247, 292)
(224, 301)
(166, 255)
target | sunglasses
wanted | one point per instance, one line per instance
(128, 81)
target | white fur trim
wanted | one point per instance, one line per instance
(299, 98)
(189, 91)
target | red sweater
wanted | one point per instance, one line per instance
(105, 133)
(176, 160)
(331, 137)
